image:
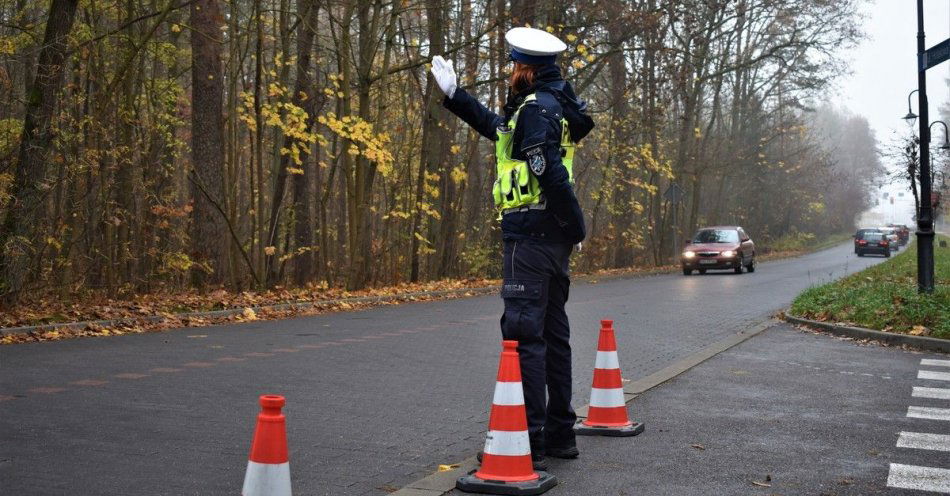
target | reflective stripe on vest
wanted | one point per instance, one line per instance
(515, 185)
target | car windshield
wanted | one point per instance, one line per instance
(716, 236)
(873, 236)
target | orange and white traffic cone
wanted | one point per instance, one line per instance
(607, 413)
(268, 467)
(506, 460)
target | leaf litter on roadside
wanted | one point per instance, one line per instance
(160, 311)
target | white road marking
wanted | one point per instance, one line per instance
(926, 412)
(927, 392)
(936, 376)
(923, 440)
(935, 363)
(919, 478)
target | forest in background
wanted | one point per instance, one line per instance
(157, 145)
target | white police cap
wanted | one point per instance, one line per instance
(534, 46)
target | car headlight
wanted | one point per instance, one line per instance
(728, 253)
(689, 254)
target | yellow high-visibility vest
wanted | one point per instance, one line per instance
(515, 185)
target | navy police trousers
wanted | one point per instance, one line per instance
(535, 289)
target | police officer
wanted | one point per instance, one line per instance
(541, 222)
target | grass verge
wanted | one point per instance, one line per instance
(885, 298)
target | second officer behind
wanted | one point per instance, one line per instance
(541, 222)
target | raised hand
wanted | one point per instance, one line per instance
(444, 75)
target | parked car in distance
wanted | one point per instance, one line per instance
(859, 235)
(873, 242)
(719, 247)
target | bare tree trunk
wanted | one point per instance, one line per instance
(303, 229)
(620, 114)
(19, 236)
(207, 144)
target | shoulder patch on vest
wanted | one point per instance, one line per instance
(536, 160)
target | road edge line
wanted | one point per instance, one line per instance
(438, 483)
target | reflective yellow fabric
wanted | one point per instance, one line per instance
(515, 185)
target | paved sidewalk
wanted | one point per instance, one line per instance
(785, 413)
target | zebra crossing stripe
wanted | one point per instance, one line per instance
(935, 363)
(936, 376)
(923, 440)
(928, 392)
(919, 478)
(926, 412)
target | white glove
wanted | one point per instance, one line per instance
(579, 246)
(444, 75)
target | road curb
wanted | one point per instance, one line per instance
(923, 343)
(439, 483)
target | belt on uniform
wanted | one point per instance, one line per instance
(525, 208)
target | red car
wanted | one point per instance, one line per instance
(719, 247)
(903, 232)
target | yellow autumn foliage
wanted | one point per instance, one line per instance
(363, 139)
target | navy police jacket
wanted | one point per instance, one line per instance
(538, 131)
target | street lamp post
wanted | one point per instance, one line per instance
(942, 174)
(925, 221)
(911, 116)
(946, 134)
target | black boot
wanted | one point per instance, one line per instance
(568, 452)
(537, 461)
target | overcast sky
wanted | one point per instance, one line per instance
(884, 72)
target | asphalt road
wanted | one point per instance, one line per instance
(785, 413)
(375, 398)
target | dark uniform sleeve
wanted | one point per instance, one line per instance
(473, 113)
(539, 130)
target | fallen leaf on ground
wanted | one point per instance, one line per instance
(446, 468)
(249, 314)
(919, 330)
(761, 484)
(697, 446)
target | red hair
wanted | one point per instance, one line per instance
(522, 77)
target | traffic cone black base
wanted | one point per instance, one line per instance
(471, 484)
(592, 430)
(607, 412)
